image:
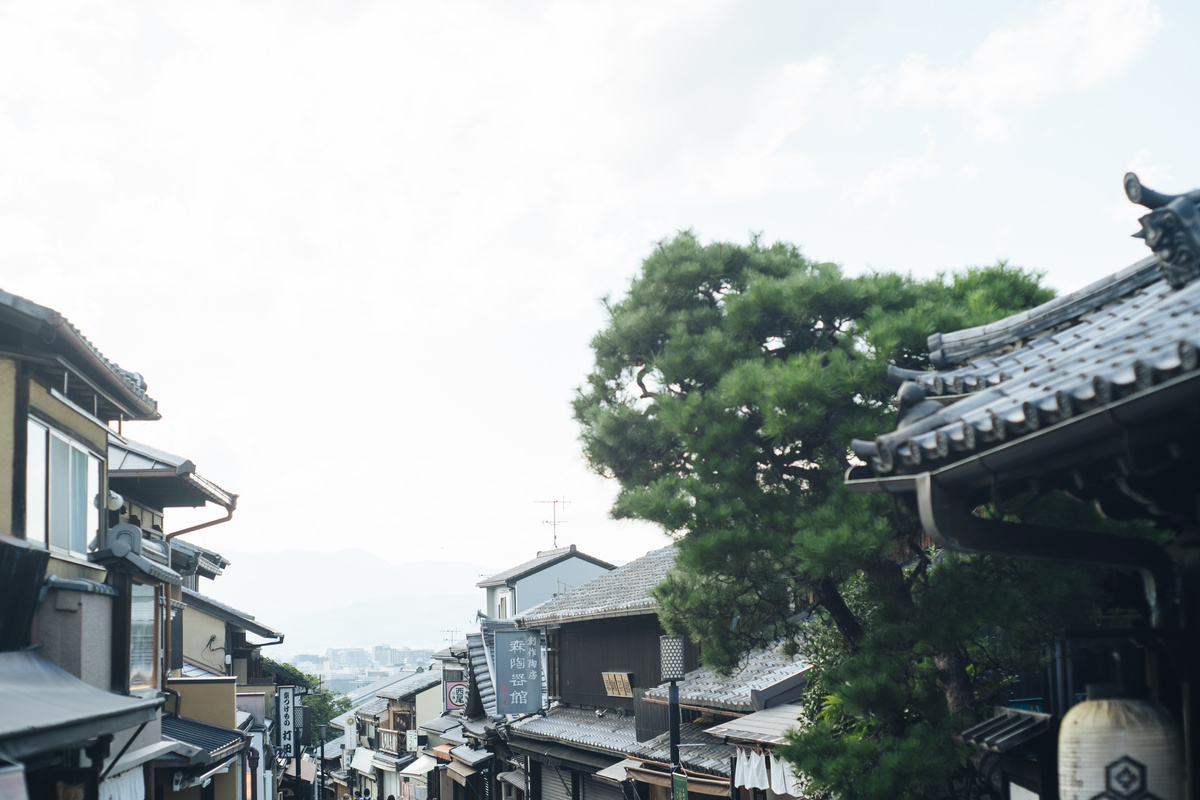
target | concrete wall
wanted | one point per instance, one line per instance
(212, 700)
(75, 631)
(198, 628)
(541, 586)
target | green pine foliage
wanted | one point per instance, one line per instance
(727, 386)
(324, 704)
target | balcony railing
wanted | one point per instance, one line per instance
(391, 741)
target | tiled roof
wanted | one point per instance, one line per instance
(1123, 338)
(758, 673)
(482, 647)
(219, 742)
(767, 727)
(49, 324)
(698, 750)
(625, 591)
(582, 728)
(372, 708)
(545, 558)
(411, 685)
(134, 466)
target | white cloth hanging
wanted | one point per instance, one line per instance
(777, 775)
(752, 770)
(793, 783)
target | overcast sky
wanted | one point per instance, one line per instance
(357, 248)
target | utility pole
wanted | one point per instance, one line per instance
(554, 521)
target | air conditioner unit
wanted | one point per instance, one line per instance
(125, 538)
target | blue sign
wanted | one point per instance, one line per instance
(518, 672)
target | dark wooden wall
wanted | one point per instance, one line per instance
(620, 644)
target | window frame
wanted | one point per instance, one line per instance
(61, 470)
(155, 636)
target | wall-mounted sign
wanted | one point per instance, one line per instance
(618, 684)
(518, 672)
(287, 721)
(456, 694)
(411, 741)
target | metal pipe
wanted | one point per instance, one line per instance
(673, 711)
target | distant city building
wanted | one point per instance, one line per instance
(353, 657)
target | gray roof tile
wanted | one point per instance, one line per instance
(625, 591)
(1126, 334)
(699, 750)
(545, 558)
(581, 727)
(759, 671)
(411, 685)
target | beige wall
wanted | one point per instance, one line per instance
(429, 704)
(212, 700)
(198, 628)
(72, 422)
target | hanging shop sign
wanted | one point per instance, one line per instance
(518, 672)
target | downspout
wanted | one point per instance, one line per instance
(952, 524)
(229, 509)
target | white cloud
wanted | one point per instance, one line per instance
(1068, 45)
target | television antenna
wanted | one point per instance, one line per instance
(554, 521)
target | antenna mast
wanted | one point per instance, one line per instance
(554, 521)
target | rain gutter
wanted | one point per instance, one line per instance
(951, 522)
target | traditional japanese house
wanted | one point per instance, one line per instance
(550, 573)
(1095, 394)
(602, 657)
(716, 710)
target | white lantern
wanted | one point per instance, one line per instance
(1116, 749)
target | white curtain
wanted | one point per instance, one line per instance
(752, 770)
(129, 785)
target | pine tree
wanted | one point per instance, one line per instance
(727, 386)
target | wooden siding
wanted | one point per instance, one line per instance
(621, 644)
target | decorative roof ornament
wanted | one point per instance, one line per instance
(1171, 229)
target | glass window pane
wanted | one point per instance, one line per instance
(79, 501)
(60, 492)
(35, 484)
(141, 637)
(94, 503)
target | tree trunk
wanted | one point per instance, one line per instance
(831, 600)
(952, 679)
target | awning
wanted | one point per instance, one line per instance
(514, 778)
(762, 727)
(389, 763)
(419, 767)
(469, 755)
(47, 708)
(585, 759)
(442, 752)
(616, 772)
(696, 785)
(364, 761)
(217, 741)
(460, 772)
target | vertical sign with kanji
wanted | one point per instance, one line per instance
(287, 721)
(518, 672)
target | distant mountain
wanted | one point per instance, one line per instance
(350, 598)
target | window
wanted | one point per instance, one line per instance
(143, 637)
(502, 609)
(61, 490)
